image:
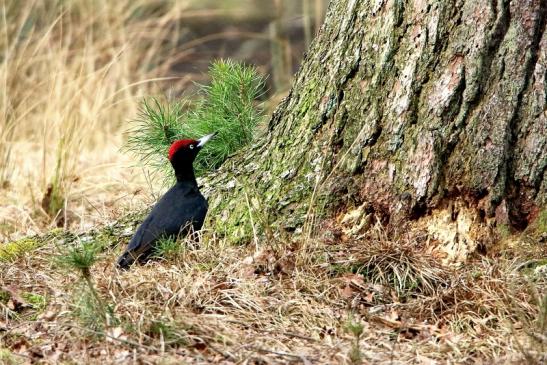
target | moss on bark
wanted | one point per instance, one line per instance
(406, 107)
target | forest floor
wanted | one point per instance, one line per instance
(331, 299)
(324, 299)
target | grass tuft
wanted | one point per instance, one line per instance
(7, 358)
(87, 310)
(168, 248)
(356, 329)
(401, 264)
(37, 301)
(90, 308)
(79, 257)
(168, 332)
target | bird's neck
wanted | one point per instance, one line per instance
(186, 175)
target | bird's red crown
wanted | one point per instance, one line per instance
(177, 145)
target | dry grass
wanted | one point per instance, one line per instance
(224, 304)
(72, 74)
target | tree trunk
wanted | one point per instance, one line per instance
(428, 113)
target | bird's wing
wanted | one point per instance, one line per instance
(177, 209)
(166, 219)
(145, 235)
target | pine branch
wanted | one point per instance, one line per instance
(227, 106)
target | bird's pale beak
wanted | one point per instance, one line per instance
(205, 139)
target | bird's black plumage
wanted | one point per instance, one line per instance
(180, 210)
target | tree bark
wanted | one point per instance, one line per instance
(428, 112)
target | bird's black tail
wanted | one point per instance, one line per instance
(125, 261)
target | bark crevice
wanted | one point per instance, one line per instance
(410, 109)
(520, 206)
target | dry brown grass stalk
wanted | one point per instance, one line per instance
(71, 76)
(229, 304)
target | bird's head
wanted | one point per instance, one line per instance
(184, 151)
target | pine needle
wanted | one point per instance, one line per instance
(227, 106)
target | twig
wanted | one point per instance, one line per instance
(149, 348)
(289, 334)
(124, 341)
(282, 353)
(226, 355)
(526, 264)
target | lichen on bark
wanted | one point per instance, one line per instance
(406, 106)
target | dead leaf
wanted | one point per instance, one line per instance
(347, 292)
(354, 279)
(223, 286)
(115, 333)
(393, 315)
(15, 302)
(48, 316)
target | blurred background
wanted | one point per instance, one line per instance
(72, 76)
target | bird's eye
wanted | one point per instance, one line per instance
(191, 146)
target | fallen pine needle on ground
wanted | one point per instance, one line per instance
(374, 300)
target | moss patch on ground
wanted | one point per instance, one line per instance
(12, 250)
